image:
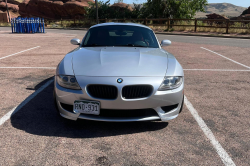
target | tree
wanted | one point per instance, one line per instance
(96, 8)
(245, 12)
(7, 10)
(150, 9)
(136, 13)
(172, 8)
(105, 10)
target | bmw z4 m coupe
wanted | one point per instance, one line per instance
(119, 73)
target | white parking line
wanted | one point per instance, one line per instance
(63, 33)
(203, 37)
(66, 34)
(27, 67)
(226, 58)
(20, 52)
(17, 108)
(226, 159)
(214, 70)
(36, 36)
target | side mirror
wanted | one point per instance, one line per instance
(165, 43)
(75, 41)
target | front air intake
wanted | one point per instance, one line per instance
(102, 91)
(136, 91)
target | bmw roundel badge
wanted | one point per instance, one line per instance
(119, 80)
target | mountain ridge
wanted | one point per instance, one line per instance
(226, 9)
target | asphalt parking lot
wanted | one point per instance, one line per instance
(213, 128)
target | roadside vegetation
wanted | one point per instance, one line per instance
(150, 9)
(189, 26)
(183, 25)
(5, 24)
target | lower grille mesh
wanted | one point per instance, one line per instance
(103, 91)
(136, 91)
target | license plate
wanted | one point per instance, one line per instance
(87, 107)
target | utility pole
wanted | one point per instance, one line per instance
(96, 5)
(7, 10)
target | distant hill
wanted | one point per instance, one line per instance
(226, 9)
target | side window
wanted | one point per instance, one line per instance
(86, 39)
(149, 37)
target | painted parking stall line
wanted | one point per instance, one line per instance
(36, 36)
(201, 37)
(226, 159)
(226, 57)
(17, 108)
(215, 70)
(19, 52)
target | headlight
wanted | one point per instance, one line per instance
(170, 83)
(67, 82)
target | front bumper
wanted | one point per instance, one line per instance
(156, 101)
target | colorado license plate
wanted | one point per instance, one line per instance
(87, 107)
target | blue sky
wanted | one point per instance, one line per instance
(243, 3)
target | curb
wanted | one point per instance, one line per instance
(236, 37)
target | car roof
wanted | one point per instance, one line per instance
(119, 23)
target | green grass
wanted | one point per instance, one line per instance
(70, 24)
(5, 24)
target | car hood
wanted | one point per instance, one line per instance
(120, 61)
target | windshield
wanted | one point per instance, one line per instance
(120, 35)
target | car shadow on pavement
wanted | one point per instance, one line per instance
(39, 117)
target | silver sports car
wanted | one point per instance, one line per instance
(119, 73)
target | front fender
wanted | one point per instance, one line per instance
(174, 67)
(65, 66)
